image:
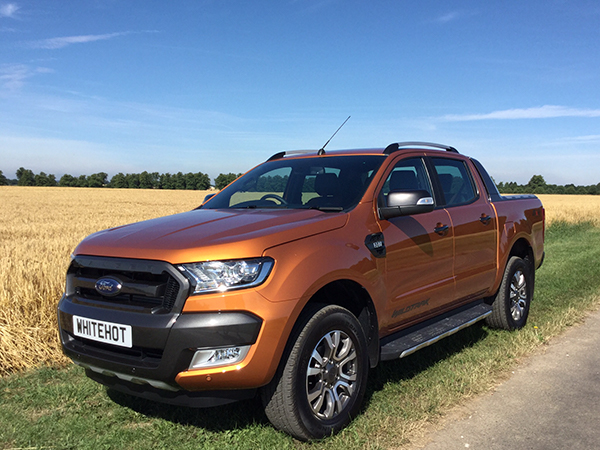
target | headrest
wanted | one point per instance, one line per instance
(326, 184)
(403, 180)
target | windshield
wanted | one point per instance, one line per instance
(332, 183)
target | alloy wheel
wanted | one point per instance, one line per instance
(331, 375)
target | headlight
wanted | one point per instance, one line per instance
(221, 276)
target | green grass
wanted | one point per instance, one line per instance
(61, 408)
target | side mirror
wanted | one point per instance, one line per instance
(208, 197)
(405, 203)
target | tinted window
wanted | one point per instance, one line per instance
(267, 186)
(455, 181)
(407, 175)
(321, 182)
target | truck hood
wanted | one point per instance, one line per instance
(205, 234)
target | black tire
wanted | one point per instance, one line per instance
(511, 305)
(326, 361)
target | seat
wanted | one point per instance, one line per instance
(453, 189)
(327, 186)
(403, 180)
(446, 181)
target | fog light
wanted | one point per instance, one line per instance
(215, 357)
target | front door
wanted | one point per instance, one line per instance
(419, 252)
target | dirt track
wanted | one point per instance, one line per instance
(551, 402)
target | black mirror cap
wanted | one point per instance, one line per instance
(405, 203)
(208, 197)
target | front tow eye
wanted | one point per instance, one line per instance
(376, 244)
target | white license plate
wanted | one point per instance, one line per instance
(100, 331)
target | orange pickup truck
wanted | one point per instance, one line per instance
(300, 276)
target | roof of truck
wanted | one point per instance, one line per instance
(392, 148)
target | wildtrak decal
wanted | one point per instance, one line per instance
(399, 312)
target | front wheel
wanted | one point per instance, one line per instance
(511, 305)
(319, 387)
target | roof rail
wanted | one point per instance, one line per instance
(397, 146)
(295, 152)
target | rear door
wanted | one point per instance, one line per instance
(475, 227)
(419, 251)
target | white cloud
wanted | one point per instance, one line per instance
(453, 16)
(587, 139)
(60, 42)
(8, 10)
(449, 17)
(13, 76)
(541, 112)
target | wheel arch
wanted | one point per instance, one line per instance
(521, 248)
(351, 295)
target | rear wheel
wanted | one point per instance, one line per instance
(511, 305)
(319, 387)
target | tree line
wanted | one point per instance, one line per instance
(144, 180)
(201, 181)
(537, 185)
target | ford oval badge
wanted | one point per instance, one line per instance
(108, 286)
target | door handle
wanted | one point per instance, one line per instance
(441, 229)
(485, 219)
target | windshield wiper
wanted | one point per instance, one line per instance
(318, 208)
(259, 207)
(327, 208)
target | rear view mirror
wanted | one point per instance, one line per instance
(405, 203)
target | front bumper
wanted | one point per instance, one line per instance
(163, 346)
(157, 366)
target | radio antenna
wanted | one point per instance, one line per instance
(322, 151)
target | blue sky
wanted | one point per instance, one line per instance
(220, 85)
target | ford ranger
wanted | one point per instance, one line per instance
(300, 276)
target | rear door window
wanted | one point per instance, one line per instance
(455, 181)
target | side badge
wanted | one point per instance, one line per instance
(376, 244)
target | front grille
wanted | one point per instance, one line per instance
(171, 292)
(146, 286)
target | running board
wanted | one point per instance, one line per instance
(408, 341)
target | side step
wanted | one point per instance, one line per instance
(408, 341)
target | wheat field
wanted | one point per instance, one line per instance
(572, 208)
(40, 227)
